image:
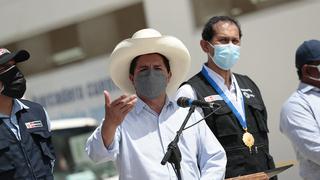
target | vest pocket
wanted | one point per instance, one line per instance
(48, 157)
(44, 139)
(236, 163)
(46, 150)
(41, 132)
(270, 161)
(263, 150)
(6, 162)
(260, 116)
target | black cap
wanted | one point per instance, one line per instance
(308, 51)
(19, 56)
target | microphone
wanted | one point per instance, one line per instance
(187, 102)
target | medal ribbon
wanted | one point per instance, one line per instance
(241, 119)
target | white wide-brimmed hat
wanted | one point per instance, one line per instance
(148, 41)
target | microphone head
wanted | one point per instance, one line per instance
(187, 102)
(183, 102)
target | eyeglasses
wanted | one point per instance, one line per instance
(5, 68)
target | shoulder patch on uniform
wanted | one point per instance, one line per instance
(34, 124)
(247, 93)
(212, 98)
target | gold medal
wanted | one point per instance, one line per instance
(248, 139)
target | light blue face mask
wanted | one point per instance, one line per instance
(225, 56)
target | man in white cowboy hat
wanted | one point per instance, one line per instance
(138, 128)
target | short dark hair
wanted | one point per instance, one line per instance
(209, 32)
(133, 63)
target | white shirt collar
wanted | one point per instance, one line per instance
(218, 79)
(140, 105)
(304, 88)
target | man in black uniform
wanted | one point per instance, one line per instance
(241, 123)
(26, 151)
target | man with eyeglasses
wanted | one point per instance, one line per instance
(300, 115)
(26, 151)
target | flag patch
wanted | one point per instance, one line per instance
(33, 124)
(213, 98)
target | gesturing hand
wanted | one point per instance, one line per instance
(115, 113)
(116, 110)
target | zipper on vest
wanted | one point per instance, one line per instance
(23, 151)
(28, 161)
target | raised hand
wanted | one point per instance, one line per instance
(115, 113)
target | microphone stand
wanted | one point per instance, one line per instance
(173, 154)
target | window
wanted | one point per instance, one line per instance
(205, 9)
(80, 41)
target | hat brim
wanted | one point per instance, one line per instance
(19, 56)
(170, 47)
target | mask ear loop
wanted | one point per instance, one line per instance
(2, 88)
(212, 46)
(313, 78)
(8, 69)
(308, 78)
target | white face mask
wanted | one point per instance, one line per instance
(318, 67)
(312, 77)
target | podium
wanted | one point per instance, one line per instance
(263, 175)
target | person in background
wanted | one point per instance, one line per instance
(26, 151)
(138, 128)
(240, 124)
(300, 114)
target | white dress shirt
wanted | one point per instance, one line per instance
(142, 139)
(300, 122)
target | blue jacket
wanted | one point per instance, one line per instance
(32, 156)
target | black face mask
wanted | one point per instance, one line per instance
(13, 82)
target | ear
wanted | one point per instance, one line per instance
(205, 46)
(131, 78)
(304, 72)
(169, 76)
